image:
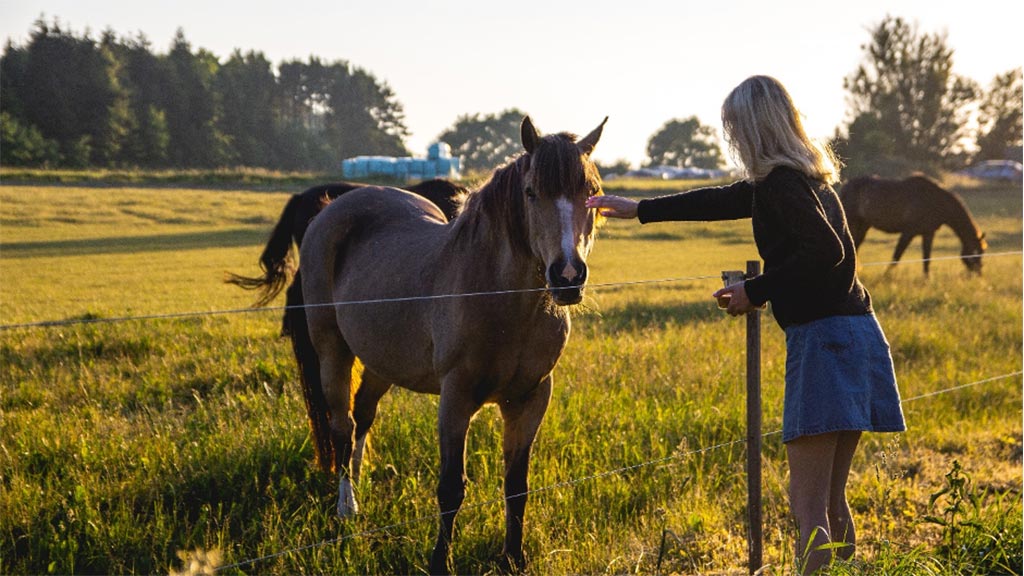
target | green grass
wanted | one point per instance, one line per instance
(123, 444)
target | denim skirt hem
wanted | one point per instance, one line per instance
(839, 377)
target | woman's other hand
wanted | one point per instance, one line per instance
(613, 206)
(739, 302)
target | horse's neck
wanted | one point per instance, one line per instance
(961, 223)
(489, 235)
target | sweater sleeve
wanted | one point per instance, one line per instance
(730, 202)
(816, 247)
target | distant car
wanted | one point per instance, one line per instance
(995, 170)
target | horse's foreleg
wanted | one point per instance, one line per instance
(926, 249)
(901, 247)
(454, 415)
(371, 390)
(522, 418)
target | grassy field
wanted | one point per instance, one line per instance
(142, 445)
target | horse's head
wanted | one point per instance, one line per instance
(972, 251)
(558, 179)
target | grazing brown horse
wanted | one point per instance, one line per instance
(914, 206)
(518, 250)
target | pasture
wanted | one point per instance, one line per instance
(123, 444)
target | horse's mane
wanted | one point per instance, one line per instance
(500, 200)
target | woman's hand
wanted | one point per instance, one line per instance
(613, 206)
(739, 302)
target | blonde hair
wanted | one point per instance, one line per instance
(764, 129)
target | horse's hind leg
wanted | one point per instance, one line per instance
(371, 389)
(522, 418)
(336, 361)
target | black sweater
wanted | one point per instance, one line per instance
(810, 262)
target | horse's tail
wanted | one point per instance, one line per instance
(297, 328)
(276, 261)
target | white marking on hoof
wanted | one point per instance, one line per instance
(347, 505)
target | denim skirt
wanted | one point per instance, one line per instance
(839, 377)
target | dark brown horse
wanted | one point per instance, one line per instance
(519, 245)
(914, 206)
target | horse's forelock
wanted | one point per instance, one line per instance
(559, 166)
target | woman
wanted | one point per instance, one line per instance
(839, 373)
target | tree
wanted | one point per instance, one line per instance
(115, 102)
(192, 107)
(906, 93)
(685, 144)
(68, 89)
(999, 119)
(24, 145)
(485, 141)
(245, 85)
(143, 76)
(364, 117)
(301, 105)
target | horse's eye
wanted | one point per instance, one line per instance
(530, 193)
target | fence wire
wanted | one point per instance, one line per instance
(250, 310)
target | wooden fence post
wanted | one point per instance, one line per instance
(754, 557)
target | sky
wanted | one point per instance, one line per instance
(567, 64)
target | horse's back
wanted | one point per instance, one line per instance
(379, 249)
(908, 205)
(371, 227)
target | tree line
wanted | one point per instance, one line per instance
(74, 101)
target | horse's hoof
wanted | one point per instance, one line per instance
(512, 563)
(347, 505)
(347, 510)
(439, 563)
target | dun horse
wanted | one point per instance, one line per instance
(277, 262)
(279, 266)
(526, 233)
(914, 206)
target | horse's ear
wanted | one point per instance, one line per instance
(589, 141)
(529, 135)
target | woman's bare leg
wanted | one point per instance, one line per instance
(810, 480)
(840, 520)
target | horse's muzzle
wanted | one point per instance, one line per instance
(566, 281)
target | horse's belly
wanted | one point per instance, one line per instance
(392, 345)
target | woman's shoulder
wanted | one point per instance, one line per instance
(786, 176)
